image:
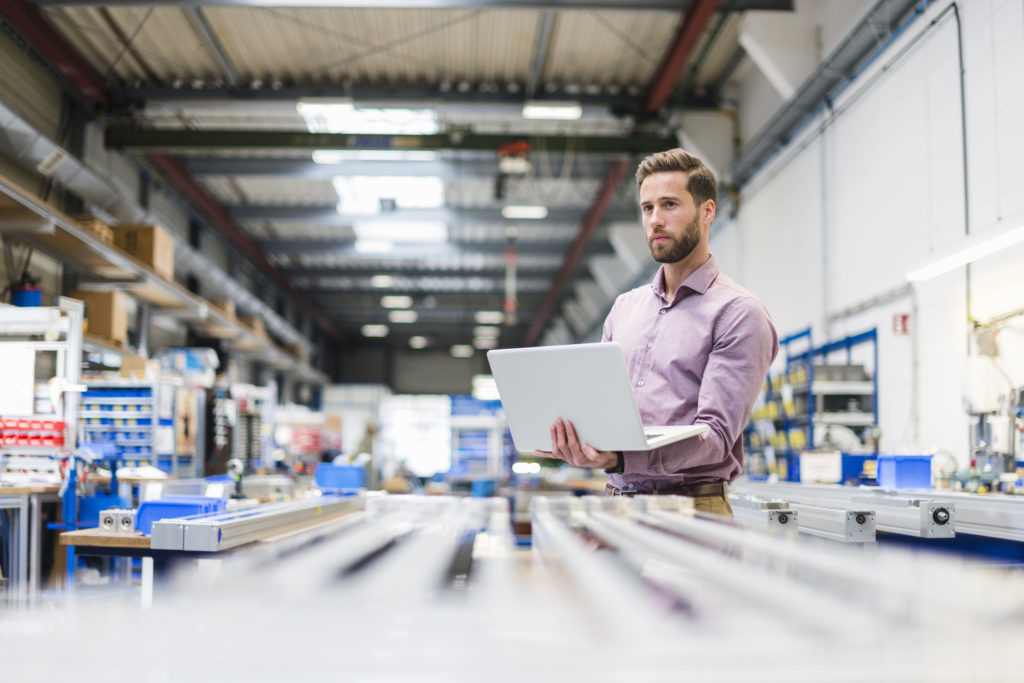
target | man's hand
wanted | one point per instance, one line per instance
(565, 446)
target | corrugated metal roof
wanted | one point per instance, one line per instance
(375, 45)
(622, 48)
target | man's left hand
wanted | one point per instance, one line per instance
(566, 446)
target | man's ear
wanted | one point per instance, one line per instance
(707, 210)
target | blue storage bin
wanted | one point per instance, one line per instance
(334, 477)
(905, 471)
(482, 488)
(172, 507)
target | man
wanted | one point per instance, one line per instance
(697, 347)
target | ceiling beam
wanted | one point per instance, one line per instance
(173, 171)
(540, 51)
(213, 45)
(696, 19)
(416, 252)
(417, 270)
(477, 94)
(163, 140)
(422, 284)
(308, 169)
(329, 216)
(126, 44)
(631, 6)
(446, 169)
(451, 300)
(29, 21)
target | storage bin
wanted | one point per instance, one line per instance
(171, 507)
(905, 471)
(482, 488)
(334, 477)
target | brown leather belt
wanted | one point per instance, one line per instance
(713, 488)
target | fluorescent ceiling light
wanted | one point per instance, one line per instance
(363, 195)
(373, 246)
(461, 350)
(485, 342)
(485, 388)
(419, 342)
(561, 111)
(526, 467)
(402, 316)
(486, 331)
(337, 156)
(382, 281)
(401, 231)
(396, 301)
(324, 106)
(375, 330)
(968, 250)
(514, 165)
(525, 212)
(489, 317)
(334, 117)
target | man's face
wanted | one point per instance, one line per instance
(670, 216)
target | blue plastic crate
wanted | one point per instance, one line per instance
(171, 507)
(905, 471)
(338, 477)
(481, 488)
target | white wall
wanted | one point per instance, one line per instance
(838, 218)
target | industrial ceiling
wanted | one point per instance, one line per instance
(375, 158)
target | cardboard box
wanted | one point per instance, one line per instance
(137, 366)
(255, 325)
(226, 307)
(150, 244)
(106, 314)
(299, 351)
(97, 228)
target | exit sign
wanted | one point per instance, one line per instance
(901, 323)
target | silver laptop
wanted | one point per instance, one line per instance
(586, 384)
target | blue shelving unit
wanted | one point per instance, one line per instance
(810, 395)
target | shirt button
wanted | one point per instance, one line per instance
(639, 382)
(650, 346)
(663, 311)
(630, 486)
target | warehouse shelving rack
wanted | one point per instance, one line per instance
(138, 418)
(57, 234)
(796, 403)
(56, 330)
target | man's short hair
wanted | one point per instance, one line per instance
(701, 184)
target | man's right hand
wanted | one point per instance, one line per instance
(566, 446)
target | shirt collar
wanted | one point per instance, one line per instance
(699, 281)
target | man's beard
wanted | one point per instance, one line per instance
(680, 248)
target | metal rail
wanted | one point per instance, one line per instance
(904, 513)
(211, 533)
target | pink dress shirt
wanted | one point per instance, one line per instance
(699, 358)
